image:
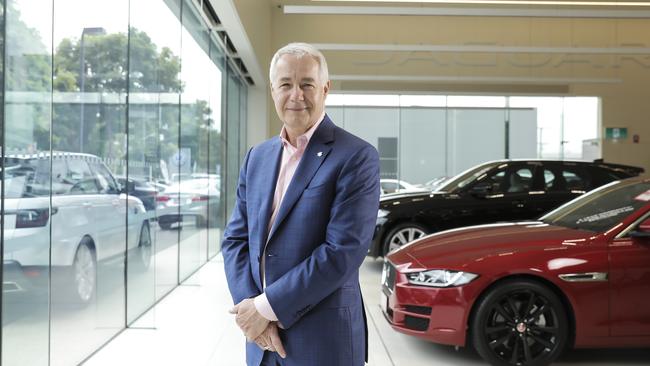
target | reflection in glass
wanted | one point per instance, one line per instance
(26, 185)
(216, 153)
(232, 138)
(197, 191)
(89, 129)
(153, 135)
(88, 197)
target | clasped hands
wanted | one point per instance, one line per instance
(257, 328)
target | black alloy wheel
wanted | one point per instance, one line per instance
(403, 234)
(520, 322)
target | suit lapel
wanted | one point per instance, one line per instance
(268, 178)
(315, 154)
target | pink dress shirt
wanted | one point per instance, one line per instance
(291, 156)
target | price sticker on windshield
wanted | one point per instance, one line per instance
(645, 196)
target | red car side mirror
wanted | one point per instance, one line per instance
(643, 230)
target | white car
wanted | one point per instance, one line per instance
(396, 186)
(87, 221)
(197, 198)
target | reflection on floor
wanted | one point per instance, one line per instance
(192, 327)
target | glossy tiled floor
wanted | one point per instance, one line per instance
(191, 327)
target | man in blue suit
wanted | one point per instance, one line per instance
(306, 209)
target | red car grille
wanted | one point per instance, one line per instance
(424, 310)
(414, 323)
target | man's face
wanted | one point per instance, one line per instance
(297, 91)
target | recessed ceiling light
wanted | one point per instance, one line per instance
(506, 2)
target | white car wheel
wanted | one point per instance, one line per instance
(85, 273)
(144, 246)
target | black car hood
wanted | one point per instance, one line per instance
(409, 196)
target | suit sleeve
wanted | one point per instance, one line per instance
(353, 216)
(235, 248)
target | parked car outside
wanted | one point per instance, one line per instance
(503, 190)
(197, 198)
(523, 292)
(145, 190)
(89, 211)
(396, 185)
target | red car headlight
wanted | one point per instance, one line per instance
(440, 278)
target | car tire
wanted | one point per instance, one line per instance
(84, 273)
(144, 247)
(519, 322)
(402, 234)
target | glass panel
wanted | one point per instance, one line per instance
(243, 122)
(89, 128)
(522, 134)
(196, 188)
(232, 139)
(154, 87)
(475, 136)
(549, 123)
(371, 124)
(216, 155)
(73, 205)
(26, 185)
(335, 114)
(423, 132)
(580, 125)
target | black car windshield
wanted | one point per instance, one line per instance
(603, 208)
(461, 180)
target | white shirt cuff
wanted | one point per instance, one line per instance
(263, 307)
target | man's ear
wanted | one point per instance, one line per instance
(326, 87)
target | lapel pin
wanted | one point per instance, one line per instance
(320, 153)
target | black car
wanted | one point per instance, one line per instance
(503, 190)
(142, 189)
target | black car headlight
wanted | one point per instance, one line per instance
(440, 278)
(382, 213)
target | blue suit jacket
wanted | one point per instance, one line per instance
(318, 241)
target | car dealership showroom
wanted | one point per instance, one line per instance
(513, 141)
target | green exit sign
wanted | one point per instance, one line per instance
(615, 133)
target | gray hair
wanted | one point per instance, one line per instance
(300, 50)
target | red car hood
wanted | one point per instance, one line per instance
(459, 247)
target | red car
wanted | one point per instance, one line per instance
(521, 293)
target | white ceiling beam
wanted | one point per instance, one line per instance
(483, 12)
(482, 49)
(590, 3)
(476, 79)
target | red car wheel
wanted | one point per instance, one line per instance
(520, 322)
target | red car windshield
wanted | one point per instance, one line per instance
(603, 208)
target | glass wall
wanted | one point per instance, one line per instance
(423, 138)
(233, 101)
(112, 166)
(27, 121)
